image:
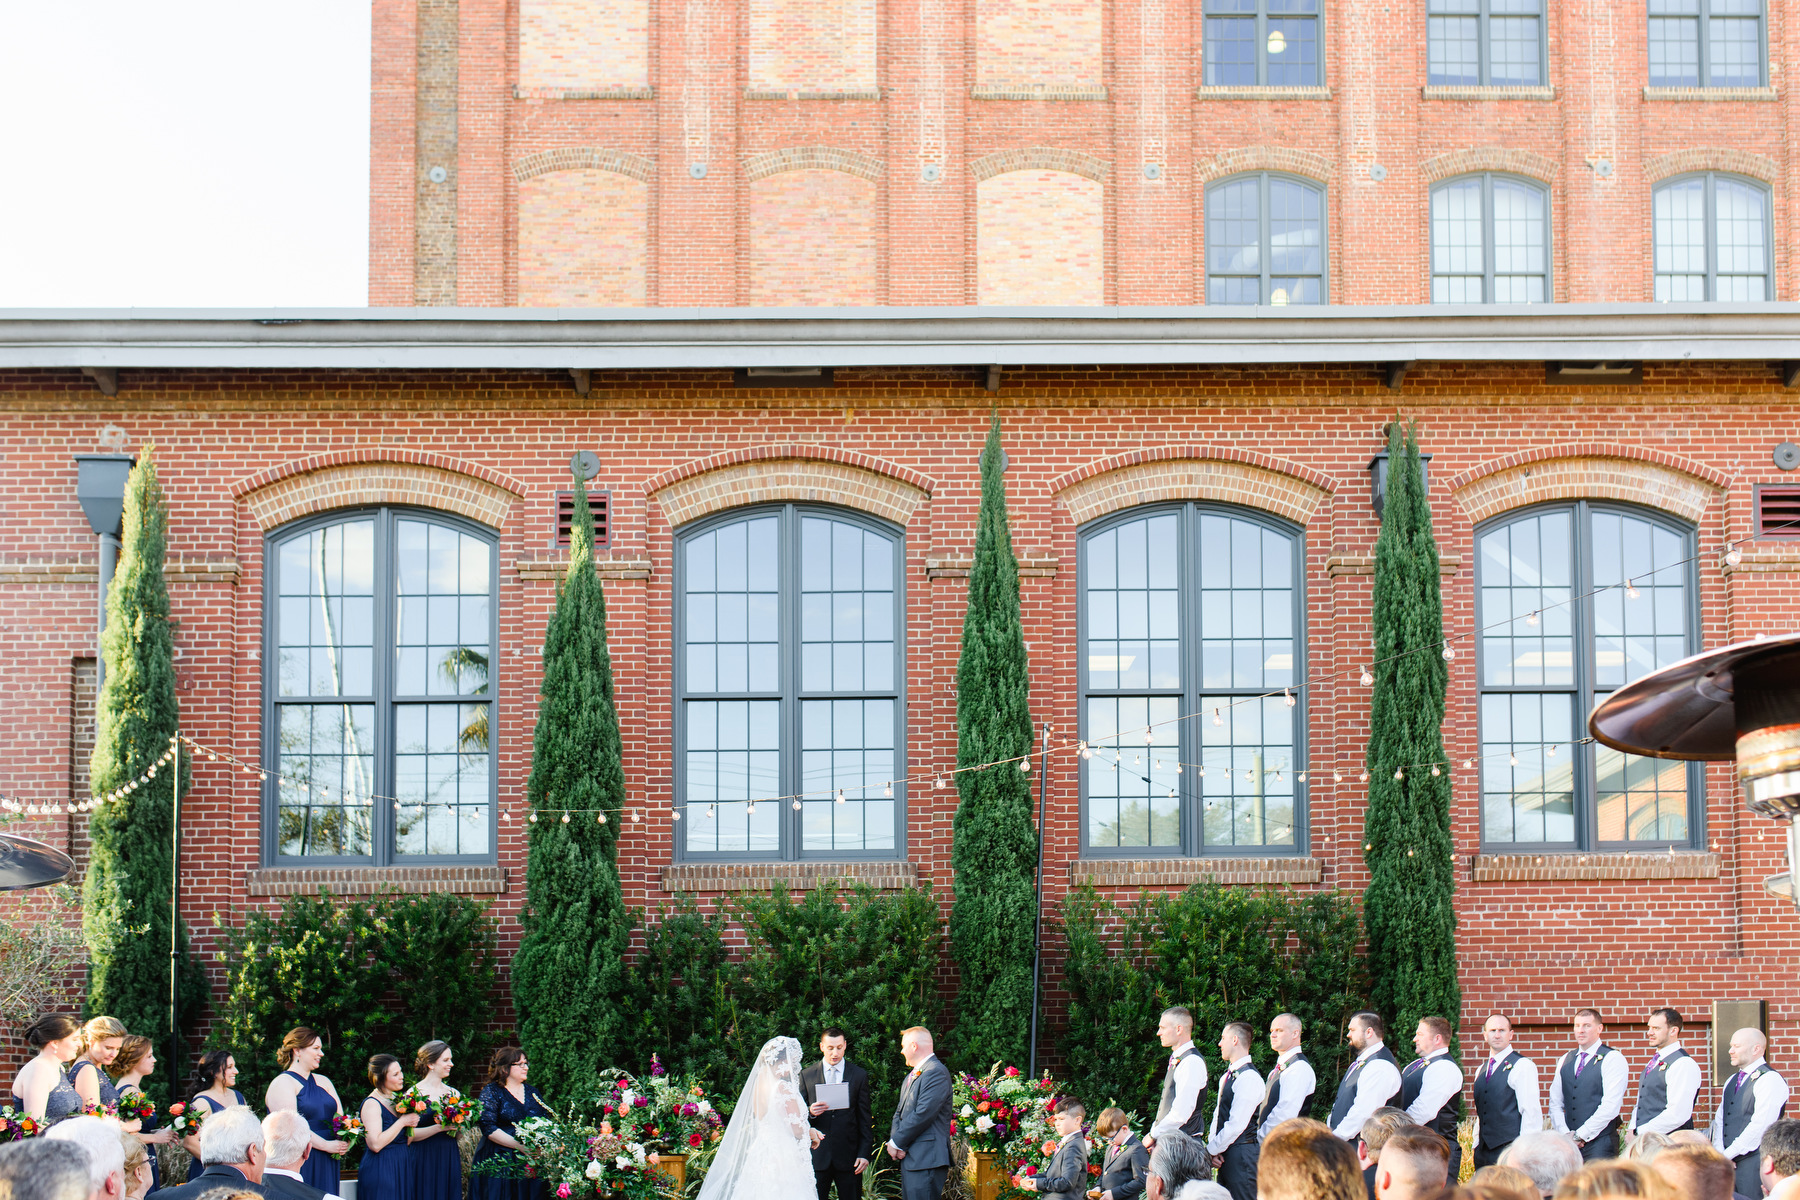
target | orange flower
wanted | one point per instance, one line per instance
(983, 1106)
(1049, 1148)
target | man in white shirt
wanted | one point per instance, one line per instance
(1289, 1089)
(1671, 1079)
(287, 1140)
(1184, 1081)
(1507, 1101)
(1430, 1084)
(1587, 1090)
(1749, 1102)
(1372, 1081)
(1231, 1138)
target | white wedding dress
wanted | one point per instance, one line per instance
(766, 1153)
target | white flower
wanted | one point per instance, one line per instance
(704, 1107)
(593, 1170)
(626, 1099)
(984, 1123)
(623, 1161)
(968, 1110)
(637, 1152)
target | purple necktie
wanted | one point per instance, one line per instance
(1652, 1065)
(1580, 1062)
(1737, 1081)
(1490, 1070)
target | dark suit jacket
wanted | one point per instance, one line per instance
(848, 1131)
(921, 1125)
(215, 1176)
(1066, 1178)
(283, 1188)
(1124, 1171)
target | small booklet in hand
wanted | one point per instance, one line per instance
(834, 1095)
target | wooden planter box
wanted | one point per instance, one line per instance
(987, 1178)
(675, 1167)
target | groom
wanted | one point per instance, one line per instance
(919, 1138)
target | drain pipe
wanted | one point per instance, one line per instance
(100, 486)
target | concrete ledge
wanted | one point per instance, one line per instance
(607, 568)
(1444, 91)
(605, 93)
(1691, 93)
(366, 881)
(799, 876)
(1364, 564)
(1545, 868)
(1180, 872)
(1032, 565)
(1037, 91)
(1230, 92)
(1759, 557)
(852, 94)
(86, 571)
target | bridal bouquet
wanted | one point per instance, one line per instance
(456, 1113)
(185, 1119)
(17, 1126)
(990, 1110)
(347, 1126)
(412, 1100)
(135, 1106)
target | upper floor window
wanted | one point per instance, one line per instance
(1265, 241)
(1712, 235)
(1262, 43)
(1190, 615)
(789, 655)
(380, 755)
(1490, 241)
(1707, 43)
(1596, 596)
(1485, 43)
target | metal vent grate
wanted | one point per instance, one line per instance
(599, 503)
(1777, 510)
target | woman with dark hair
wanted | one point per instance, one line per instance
(100, 1042)
(214, 1085)
(505, 1101)
(301, 1088)
(42, 1089)
(385, 1173)
(436, 1162)
(135, 1060)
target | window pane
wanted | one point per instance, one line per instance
(1675, 47)
(1733, 50)
(325, 770)
(1452, 49)
(1513, 48)
(1527, 768)
(1134, 788)
(1293, 52)
(1247, 788)
(1237, 651)
(732, 759)
(1525, 570)
(325, 617)
(1233, 228)
(847, 745)
(732, 638)
(1635, 635)
(442, 584)
(442, 779)
(1640, 799)
(846, 619)
(1678, 220)
(1134, 639)
(1742, 239)
(1456, 243)
(1231, 51)
(1296, 229)
(1520, 237)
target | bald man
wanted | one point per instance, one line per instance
(1749, 1102)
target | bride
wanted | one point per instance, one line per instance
(765, 1154)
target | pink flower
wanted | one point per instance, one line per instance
(562, 1189)
(1012, 1072)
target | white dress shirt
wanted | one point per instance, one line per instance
(1246, 1094)
(1190, 1085)
(1614, 1073)
(1682, 1083)
(1524, 1081)
(1443, 1079)
(1376, 1080)
(294, 1175)
(1297, 1083)
(1771, 1092)
(834, 1072)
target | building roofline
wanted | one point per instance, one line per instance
(713, 338)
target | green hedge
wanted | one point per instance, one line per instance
(1228, 954)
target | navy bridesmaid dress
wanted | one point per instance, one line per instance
(194, 1167)
(385, 1174)
(436, 1166)
(499, 1110)
(317, 1106)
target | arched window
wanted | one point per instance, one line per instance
(1265, 241)
(1490, 241)
(1190, 614)
(1712, 235)
(377, 756)
(789, 680)
(1597, 596)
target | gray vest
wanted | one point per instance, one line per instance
(1272, 1091)
(1497, 1105)
(1222, 1109)
(1653, 1092)
(1582, 1094)
(1195, 1125)
(1740, 1103)
(1346, 1097)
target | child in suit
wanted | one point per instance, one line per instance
(1066, 1178)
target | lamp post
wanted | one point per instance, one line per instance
(1739, 703)
(100, 486)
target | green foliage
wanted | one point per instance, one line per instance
(382, 976)
(993, 850)
(570, 978)
(1227, 954)
(126, 893)
(40, 947)
(1409, 905)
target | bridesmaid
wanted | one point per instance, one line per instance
(100, 1042)
(386, 1169)
(505, 1101)
(436, 1163)
(214, 1081)
(301, 1088)
(42, 1088)
(135, 1060)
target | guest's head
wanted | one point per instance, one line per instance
(1780, 1152)
(384, 1074)
(1516, 1184)
(1696, 1172)
(1689, 1137)
(56, 1035)
(1176, 1159)
(216, 1069)
(1481, 1191)
(101, 1039)
(136, 1056)
(1382, 1124)
(99, 1137)
(1069, 1116)
(1175, 1027)
(1415, 1163)
(1234, 1041)
(1365, 1030)
(1284, 1033)
(1303, 1160)
(1204, 1189)
(916, 1045)
(508, 1068)
(1646, 1146)
(1110, 1124)
(287, 1139)
(1547, 1157)
(1498, 1031)
(833, 1045)
(301, 1050)
(40, 1169)
(1614, 1180)
(1587, 1026)
(137, 1166)
(234, 1138)
(1432, 1036)
(1747, 1047)
(434, 1058)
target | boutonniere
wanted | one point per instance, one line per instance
(1508, 1066)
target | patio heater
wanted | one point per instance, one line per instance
(100, 486)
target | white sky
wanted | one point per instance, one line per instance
(184, 153)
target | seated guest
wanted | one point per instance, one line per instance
(1615, 1179)
(40, 1169)
(1415, 1164)
(1506, 1179)
(1382, 1124)
(232, 1156)
(137, 1166)
(1177, 1161)
(1479, 1191)
(1548, 1158)
(287, 1141)
(99, 1137)
(1302, 1160)
(1645, 1146)
(1780, 1155)
(1697, 1172)
(1124, 1164)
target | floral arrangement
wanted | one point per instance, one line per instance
(669, 1113)
(347, 1126)
(410, 1102)
(135, 1106)
(456, 1113)
(109, 1111)
(185, 1119)
(17, 1126)
(573, 1160)
(990, 1110)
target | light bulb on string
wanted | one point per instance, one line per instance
(1512, 759)
(1364, 777)
(1734, 556)
(599, 818)
(1217, 719)
(750, 809)
(1631, 592)
(1178, 768)
(1551, 752)
(711, 809)
(1301, 777)
(1202, 770)
(888, 791)
(1149, 737)
(1367, 678)
(636, 816)
(1249, 776)
(534, 818)
(839, 798)
(1337, 777)
(1399, 772)
(1287, 694)
(565, 818)
(1087, 751)
(1024, 764)
(1468, 764)
(1531, 618)
(796, 804)
(1435, 770)
(675, 814)
(1449, 652)
(939, 783)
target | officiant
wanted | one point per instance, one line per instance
(837, 1095)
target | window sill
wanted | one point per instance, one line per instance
(1032, 565)
(605, 93)
(1364, 564)
(1544, 868)
(608, 568)
(1230, 92)
(366, 881)
(86, 571)
(1037, 91)
(1179, 872)
(1694, 93)
(1456, 91)
(798, 876)
(1767, 557)
(853, 94)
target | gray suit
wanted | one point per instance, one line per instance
(1066, 1178)
(921, 1127)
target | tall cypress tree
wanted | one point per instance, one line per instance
(125, 897)
(569, 976)
(994, 846)
(1409, 909)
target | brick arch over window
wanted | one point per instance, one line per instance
(584, 228)
(1711, 158)
(1489, 158)
(812, 158)
(358, 479)
(1217, 473)
(1263, 158)
(1038, 158)
(809, 474)
(1589, 471)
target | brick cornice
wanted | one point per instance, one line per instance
(1489, 158)
(812, 158)
(579, 158)
(1264, 158)
(355, 478)
(1038, 158)
(1711, 158)
(773, 450)
(1588, 470)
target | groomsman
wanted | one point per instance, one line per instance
(1372, 1082)
(843, 1155)
(1292, 1082)
(1588, 1089)
(1506, 1094)
(1749, 1102)
(919, 1137)
(1671, 1079)
(1231, 1138)
(1430, 1084)
(1066, 1178)
(1184, 1080)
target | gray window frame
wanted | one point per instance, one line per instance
(790, 695)
(1262, 42)
(1711, 221)
(1586, 778)
(1264, 251)
(1702, 45)
(1488, 249)
(1193, 843)
(1484, 53)
(383, 698)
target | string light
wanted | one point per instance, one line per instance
(1531, 618)
(1217, 719)
(1399, 772)
(939, 784)
(1024, 764)
(1363, 778)
(1337, 777)
(1287, 694)
(888, 791)
(1367, 679)
(796, 805)
(565, 818)
(1434, 770)
(1734, 556)
(839, 798)
(1631, 591)
(1449, 652)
